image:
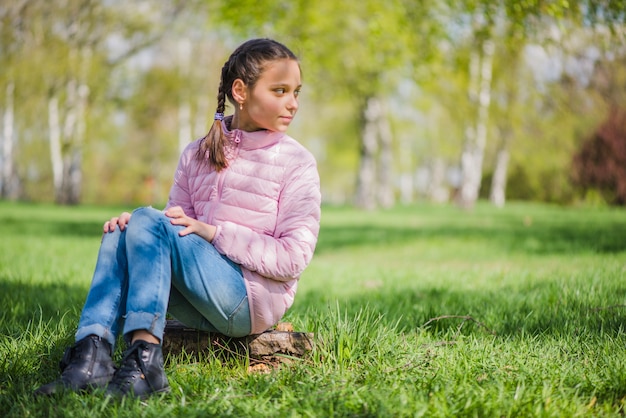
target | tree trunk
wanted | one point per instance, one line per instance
(75, 172)
(498, 182)
(201, 121)
(66, 144)
(476, 134)
(184, 125)
(506, 129)
(375, 176)
(385, 167)
(184, 106)
(54, 132)
(366, 181)
(8, 183)
(437, 190)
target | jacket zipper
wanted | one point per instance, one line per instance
(220, 176)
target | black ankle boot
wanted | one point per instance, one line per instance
(85, 365)
(141, 373)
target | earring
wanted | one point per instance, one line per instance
(240, 106)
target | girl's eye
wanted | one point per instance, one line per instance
(280, 91)
(297, 92)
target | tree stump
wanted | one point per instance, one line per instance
(272, 347)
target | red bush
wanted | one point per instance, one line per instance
(601, 162)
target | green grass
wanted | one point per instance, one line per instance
(417, 311)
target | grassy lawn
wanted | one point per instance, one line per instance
(417, 311)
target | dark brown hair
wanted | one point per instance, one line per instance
(247, 63)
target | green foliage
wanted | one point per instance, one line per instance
(601, 162)
(413, 54)
(417, 311)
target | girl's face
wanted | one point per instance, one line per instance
(273, 102)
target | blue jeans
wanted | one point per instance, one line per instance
(148, 266)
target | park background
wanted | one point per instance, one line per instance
(471, 259)
(403, 100)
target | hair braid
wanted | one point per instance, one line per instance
(213, 142)
(246, 63)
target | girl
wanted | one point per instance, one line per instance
(225, 254)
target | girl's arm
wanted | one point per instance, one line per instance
(179, 192)
(285, 255)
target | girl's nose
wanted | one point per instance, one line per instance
(293, 103)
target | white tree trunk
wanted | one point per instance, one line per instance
(498, 182)
(184, 126)
(69, 129)
(67, 134)
(66, 144)
(437, 190)
(54, 131)
(385, 167)
(184, 106)
(202, 113)
(481, 65)
(8, 186)
(366, 181)
(75, 176)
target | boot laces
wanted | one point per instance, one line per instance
(132, 367)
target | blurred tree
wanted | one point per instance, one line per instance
(521, 21)
(479, 95)
(11, 37)
(601, 162)
(359, 50)
(67, 47)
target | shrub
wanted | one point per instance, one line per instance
(601, 162)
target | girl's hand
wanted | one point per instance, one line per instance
(193, 226)
(122, 221)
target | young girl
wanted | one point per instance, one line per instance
(225, 255)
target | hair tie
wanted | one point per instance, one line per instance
(219, 116)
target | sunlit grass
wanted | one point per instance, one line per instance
(416, 311)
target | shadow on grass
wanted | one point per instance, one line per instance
(47, 228)
(26, 302)
(546, 238)
(543, 309)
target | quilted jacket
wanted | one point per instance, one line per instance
(266, 207)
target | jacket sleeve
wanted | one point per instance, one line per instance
(286, 254)
(180, 192)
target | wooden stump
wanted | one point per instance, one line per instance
(271, 347)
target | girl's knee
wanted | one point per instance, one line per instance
(143, 220)
(145, 215)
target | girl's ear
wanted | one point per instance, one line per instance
(240, 91)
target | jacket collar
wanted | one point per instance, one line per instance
(250, 140)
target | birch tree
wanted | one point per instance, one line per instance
(11, 36)
(8, 188)
(521, 21)
(356, 50)
(479, 94)
(79, 58)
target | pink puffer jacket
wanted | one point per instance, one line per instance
(266, 206)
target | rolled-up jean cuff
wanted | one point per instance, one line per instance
(96, 329)
(135, 321)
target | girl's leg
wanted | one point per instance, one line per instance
(209, 292)
(148, 248)
(159, 260)
(149, 252)
(106, 299)
(88, 364)
(158, 256)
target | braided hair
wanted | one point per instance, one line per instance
(247, 63)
